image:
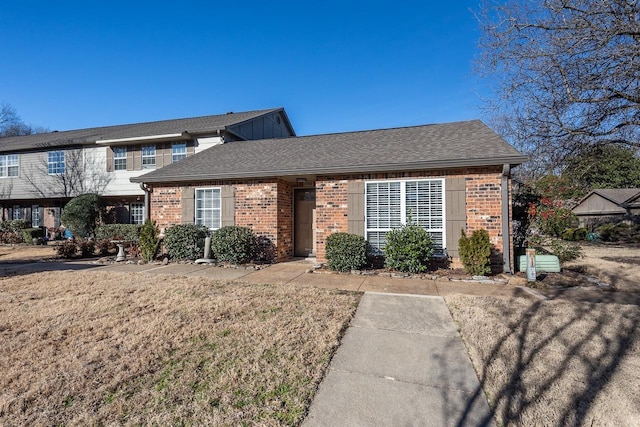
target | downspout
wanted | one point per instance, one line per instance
(506, 220)
(147, 200)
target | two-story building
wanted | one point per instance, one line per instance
(40, 173)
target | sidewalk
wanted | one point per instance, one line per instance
(295, 273)
(401, 362)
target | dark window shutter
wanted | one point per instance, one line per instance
(188, 205)
(130, 166)
(355, 207)
(228, 203)
(159, 155)
(167, 155)
(456, 212)
(137, 157)
(109, 159)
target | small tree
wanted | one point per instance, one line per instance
(475, 252)
(82, 214)
(408, 249)
(149, 241)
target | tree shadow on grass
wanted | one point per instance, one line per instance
(22, 268)
(591, 354)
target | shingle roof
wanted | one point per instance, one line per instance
(617, 195)
(193, 125)
(436, 146)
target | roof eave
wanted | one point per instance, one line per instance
(383, 167)
(148, 138)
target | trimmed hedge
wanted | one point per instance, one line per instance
(233, 244)
(28, 234)
(346, 252)
(185, 241)
(128, 232)
(408, 249)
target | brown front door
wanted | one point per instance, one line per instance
(304, 222)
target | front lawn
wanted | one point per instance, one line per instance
(96, 348)
(554, 362)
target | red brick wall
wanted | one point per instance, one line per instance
(331, 210)
(267, 205)
(263, 205)
(483, 202)
(166, 207)
(285, 220)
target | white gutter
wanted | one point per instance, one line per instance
(143, 138)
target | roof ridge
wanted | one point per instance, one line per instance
(150, 122)
(388, 129)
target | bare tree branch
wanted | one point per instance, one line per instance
(82, 174)
(565, 73)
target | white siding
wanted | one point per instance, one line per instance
(206, 142)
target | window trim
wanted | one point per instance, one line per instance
(148, 156)
(37, 212)
(403, 207)
(117, 157)
(174, 154)
(137, 205)
(196, 210)
(57, 170)
(5, 167)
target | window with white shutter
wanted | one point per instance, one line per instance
(390, 204)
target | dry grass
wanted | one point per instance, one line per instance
(616, 264)
(26, 253)
(97, 348)
(552, 362)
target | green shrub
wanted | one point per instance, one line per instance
(149, 241)
(574, 234)
(185, 241)
(346, 252)
(126, 232)
(408, 249)
(13, 226)
(618, 232)
(67, 249)
(475, 252)
(28, 234)
(580, 233)
(233, 244)
(565, 251)
(82, 215)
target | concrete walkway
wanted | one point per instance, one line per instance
(401, 362)
(290, 273)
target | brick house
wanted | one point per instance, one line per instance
(297, 191)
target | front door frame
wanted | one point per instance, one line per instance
(296, 250)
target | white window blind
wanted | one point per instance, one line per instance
(390, 204)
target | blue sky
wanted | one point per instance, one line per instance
(334, 65)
